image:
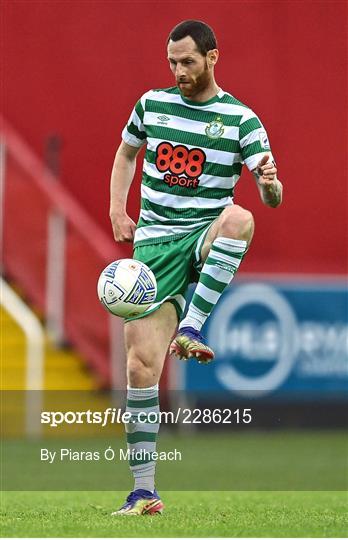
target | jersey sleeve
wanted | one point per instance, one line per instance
(253, 140)
(134, 132)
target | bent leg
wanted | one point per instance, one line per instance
(235, 223)
(222, 252)
(147, 340)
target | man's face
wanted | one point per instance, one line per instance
(189, 67)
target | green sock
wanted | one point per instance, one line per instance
(223, 260)
(142, 435)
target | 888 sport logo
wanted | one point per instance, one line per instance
(182, 166)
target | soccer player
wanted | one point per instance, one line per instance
(197, 136)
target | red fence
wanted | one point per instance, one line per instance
(32, 197)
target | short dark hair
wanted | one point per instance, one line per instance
(201, 33)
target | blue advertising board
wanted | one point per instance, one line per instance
(277, 338)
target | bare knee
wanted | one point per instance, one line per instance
(142, 371)
(147, 341)
(236, 222)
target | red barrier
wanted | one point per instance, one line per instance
(30, 195)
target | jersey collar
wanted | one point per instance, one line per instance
(203, 103)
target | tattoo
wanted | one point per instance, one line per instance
(272, 193)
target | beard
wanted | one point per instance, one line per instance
(195, 85)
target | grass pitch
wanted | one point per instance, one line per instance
(187, 514)
(256, 462)
(248, 461)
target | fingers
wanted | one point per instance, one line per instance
(269, 170)
(263, 161)
(126, 236)
(266, 169)
(261, 164)
(123, 238)
(123, 228)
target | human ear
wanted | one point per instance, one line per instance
(212, 57)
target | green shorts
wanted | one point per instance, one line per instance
(176, 264)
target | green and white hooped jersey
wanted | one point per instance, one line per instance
(194, 157)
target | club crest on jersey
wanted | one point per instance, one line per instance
(215, 129)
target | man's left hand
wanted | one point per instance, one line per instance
(269, 186)
(266, 172)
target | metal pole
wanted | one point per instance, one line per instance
(55, 260)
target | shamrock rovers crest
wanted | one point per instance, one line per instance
(215, 129)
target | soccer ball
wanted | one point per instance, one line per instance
(127, 287)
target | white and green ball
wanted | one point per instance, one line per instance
(127, 287)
